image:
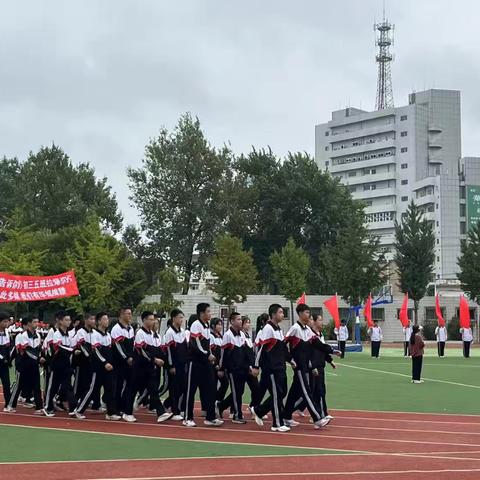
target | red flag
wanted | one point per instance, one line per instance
(332, 307)
(22, 288)
(302, 299)
(464, 313)
(438, 312)
(404, 311)
(367, 311)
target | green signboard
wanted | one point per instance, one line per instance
(473, 205)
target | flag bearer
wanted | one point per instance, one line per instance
(467, 339)
(441, 334)
(342, 337)
(376, 338)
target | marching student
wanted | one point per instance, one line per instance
(27, 359)
(236, 364)
(200, 372)
(467, 339)
(301, 342)
(342, 337)
(441, 334)
(416, 351)
(5, 356)
(407, 333)
(82, 343)
(176, 344)
(376, 338)
(122, 339)
(60, 378)
(252, 381)
(271, 357)
(103, 367)
(216, 345)
(147, 361)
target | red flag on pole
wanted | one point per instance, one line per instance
(438, 312)
(404, 311)
(367, 311)
(332, 306)
(464, 313)
(302, 299)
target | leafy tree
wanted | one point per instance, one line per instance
(52, 193)
(354, 265)
(181, 192)
(289, 270)
(469, 263)
(236, 275)
(414, 254)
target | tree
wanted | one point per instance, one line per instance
(414, 254)
(354, 265)
(52, 193)
(469, 263)
(289, 270)
(236, 275)
(181, 192)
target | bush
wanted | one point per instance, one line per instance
(429, 330)
(453, 329)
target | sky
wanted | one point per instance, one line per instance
(101, 77)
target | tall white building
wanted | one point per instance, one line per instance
(388, 157)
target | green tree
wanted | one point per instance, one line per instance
(181, 192)
(236, 275)
(9, 186)
(354, 265)
(289, 271)
(469, 263)
(414, 254)
(52, 193)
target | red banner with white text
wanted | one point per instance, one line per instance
(23, 288)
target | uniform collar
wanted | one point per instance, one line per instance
(235, 332)
(302, 326)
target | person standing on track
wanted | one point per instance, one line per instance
(5, 360)
(376, 338)
(467, 339)
(441, 334)
(416, 352)
(407, 333)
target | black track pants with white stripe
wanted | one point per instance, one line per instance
(28, 378)
(276, 384)
(123, 386)
(237, 382)
(201, 376)
(60, 379)
(5, 380)
(300, 389)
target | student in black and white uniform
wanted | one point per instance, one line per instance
(252, 381)
(122, 339)
(271, 358)
(176, 344)
(60, 378)
(407, 333)
(376, 338)
(301, 341)
(441, 334)
(5, 360)
(216, 343)
(342, 337)
(467, 339)
(200, 373)
(28, 346)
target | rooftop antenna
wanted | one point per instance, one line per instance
(383, 40)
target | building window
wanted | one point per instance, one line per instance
(438, 241)
(404, 149)
(352, 174)
(403, 134)
(326, 148)
(352, 188)
(373, 171)
(404, 166)
(368, 203)
(403, 117)
(430, 208)
(404, 199)
(438, 259)
(327, 163)
(404, 182)
(379, 217)
(462, 210)
(327, 134)
(463, 228)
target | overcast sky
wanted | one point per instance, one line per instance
(100, 77)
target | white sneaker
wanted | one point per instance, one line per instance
(322, 423)
(113, 417)
(177, 418)
(38, 412)
(213, 423)
(330, 417)
(300, 414)
(164, 417)
(28, 405)
(128, 418)
(282, 429)
(80, 416)
(257, 419)
(8, 409)
(291, 423)
(48, 413)
(21, 399)
(417, 381)
(189, 423)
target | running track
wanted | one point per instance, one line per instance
(381, 445)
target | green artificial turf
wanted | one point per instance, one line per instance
(26, 444)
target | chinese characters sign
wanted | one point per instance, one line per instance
(473, 205)
(20, 288)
